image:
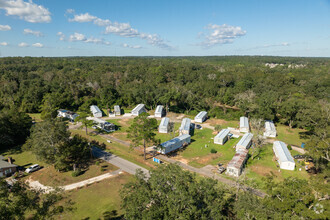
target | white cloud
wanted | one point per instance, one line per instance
(81, 37)
(77, 37)
(3, 43)
(35, 33)
(121, 29)
(61, 35)
(5, 27)
(221, 34)
(23, 44)
(27, 11)
(37, 45)
(70, 11)
(132, 46)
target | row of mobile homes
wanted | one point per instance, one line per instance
(67, 114)
(160, 111)
(221, 137)
(283, 156)
(245, 142)
(164, 125)
(174, 144)
(201, 117)
(102, 124)
(235, 166)
(7, 167)
(244, 125)
(97, 113)
(117, 110)
(185, 127)
(138, 110)
(270, 130)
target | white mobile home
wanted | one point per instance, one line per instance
(235, 166)
(283, 156)
(185, 127)
(270, 130)
(138, 110)
(174, 144)
(159, 112)
(244, 125)
(221, 137)
(164, 125)
(245, 142)
(201, 117)
(67, 114)
(101, 124)
(97, 113)
(117, 110)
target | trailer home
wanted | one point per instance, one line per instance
(236, 165)
(164, 125)
(185, 127)
(117, 110)
(244, 125)
(221, 137)
(201, 117)
(270, 130)
(245, 142)
(67, 114)
(138, 110)
(160, 111)
(174, 144)
(283, 156)
(102, 124)
(97, 113)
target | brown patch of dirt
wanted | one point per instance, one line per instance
(181, 159)
(214, 121)
(214, 132)
(124, 122)
(263, 171)
(207, 159)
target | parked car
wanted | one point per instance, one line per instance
(297, 157)
(198, 126)
(32, 168)
(221, 169)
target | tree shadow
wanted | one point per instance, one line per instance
(305, 134)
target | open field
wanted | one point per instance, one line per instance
(35, 117)
(23, 158)
(93, 200)
(289, 136)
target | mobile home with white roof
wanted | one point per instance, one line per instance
(174, 144)
(159, 112)
(185, 127)
(270, 130)
(138, 110)
(245, 142)
(164, 125)
(283, 156)
(97, 113)
(244, 125)
(201, 117)
(221, 137)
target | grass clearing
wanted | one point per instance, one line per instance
(290, 136)
(23, 158)
(35, 117)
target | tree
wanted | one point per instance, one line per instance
(258, 139)
(172, 193)
(142, 130)
(83, 119)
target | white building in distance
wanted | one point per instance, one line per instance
(164, 125)
(67, 114)
(221, 137)
(97, 113)
(201, 117)
(245, 142)
(117, 110)
(159, 112)
(283, 156)
(138, 110)
(244, 124)
(270, 130)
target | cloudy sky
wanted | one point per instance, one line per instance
(164, 27)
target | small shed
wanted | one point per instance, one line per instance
(97, 113)
(117, 110)
(185, 127)
(174, 144)
(270, 130)
(67, 114)
(159, 112)
(283, 156)
(102, 124)
(245, 142)
(201, 117)
(244, 125)
(235, 166)
(164, 125)
(6, 167)
(221, 137)
(138, 110)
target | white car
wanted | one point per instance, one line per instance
(32, 168)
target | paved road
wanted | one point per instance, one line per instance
(123, 164)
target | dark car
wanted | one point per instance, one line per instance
(221, 169)
(297, 157)
(198, 126)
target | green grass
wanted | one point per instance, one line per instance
(35, 116)
(289, 136)
(168, 136)
(23, 158)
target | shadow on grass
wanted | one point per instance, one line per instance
(305, 134)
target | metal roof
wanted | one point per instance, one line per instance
(5, 164)
(138, 108)
(185, 124)
(222, 134)
(98, 120)
(175, 140)
(159, 109)
(282, 152)
(245, 140)
(201, 115)
(116, 108)
(269, 126)
(95, 109)
(238, 159)
(164, 122)
(243, 122)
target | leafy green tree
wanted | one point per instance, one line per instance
(171, 193)
(85, 122)
(142, 131)
(257, 126)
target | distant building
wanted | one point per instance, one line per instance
(160, 111)
(7, 168)
(221, 137)
(201, 117)
(270, 130)
(174, 144)
(244, 125)
(67, 114)
(245, 142)
(117, 110)
(235, 166)
(283, 156)
(185, 127)
(138, 110)
(97, 113)
(102, 124)
(164, 125)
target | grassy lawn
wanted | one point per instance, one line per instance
(23, 158)
(50, 177)
(35, 116)
(93, 200)
(168, 136)
(289, 136)
(223, 123)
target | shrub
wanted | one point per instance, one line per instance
(97, 163)
(102, 169)
(217, 127)
(213, 151)
(76, 173)
(289, 147)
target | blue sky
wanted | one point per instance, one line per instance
(164, 28)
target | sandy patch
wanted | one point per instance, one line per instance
(264, 171)
(207, 159)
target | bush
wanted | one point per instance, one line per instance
(217, 127)
(289, 147)
(76, 173)
(213, 151)
(102, 169)
(97, 163)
